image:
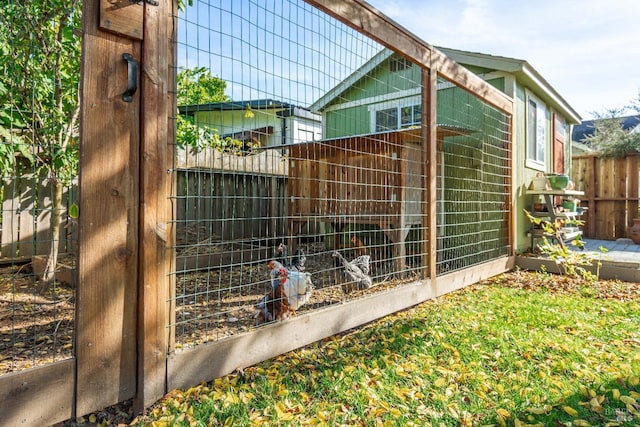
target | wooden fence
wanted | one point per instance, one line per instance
(611, 194)
(26, 217)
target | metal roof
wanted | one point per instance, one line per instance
(588, 127)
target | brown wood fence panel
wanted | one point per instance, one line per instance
(611, 194)
(38, 396)
(211, 198)
(26, 217)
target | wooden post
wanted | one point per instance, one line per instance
(511, 195)
(633, 169)
(108, 222)
(430, 138)
(156, 154)
(591, 194)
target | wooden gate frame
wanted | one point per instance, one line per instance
(125, 210)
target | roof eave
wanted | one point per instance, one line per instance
(531, 76)
(521, 69)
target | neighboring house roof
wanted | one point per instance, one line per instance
(345, 84)
(588, 127)
(523, 71)
(255, 104)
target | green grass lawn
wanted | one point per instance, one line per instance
(519, 349)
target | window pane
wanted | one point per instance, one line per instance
(541, 136)
(536, 131)
(407, 116)
(411, 116)
(417, 114)
(386, 119)
(531, 130)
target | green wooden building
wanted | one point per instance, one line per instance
(476, 168)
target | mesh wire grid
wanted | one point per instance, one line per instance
(315, 142)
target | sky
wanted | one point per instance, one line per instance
(588, 50)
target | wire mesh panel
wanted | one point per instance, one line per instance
(473, 180)
(39, 74)
(299, 141)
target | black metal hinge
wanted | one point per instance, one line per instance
(151, 2)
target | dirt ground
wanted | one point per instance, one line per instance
(37, 328)
(218, 303)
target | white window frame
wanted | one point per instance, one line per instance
(412, 101)
(537, 135)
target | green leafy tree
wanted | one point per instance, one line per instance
(610, 138)
(197, 86)
(40, 51)
(40, 47)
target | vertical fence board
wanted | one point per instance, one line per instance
(611, 194)
(108, 223)
(633, 189)
(155, 210)
(10, 220)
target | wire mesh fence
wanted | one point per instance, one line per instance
(311, 148)
(474, 181)
(39, 74)
(299, 140)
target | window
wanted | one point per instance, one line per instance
(536, 132)
(398, 118)
(386, 119)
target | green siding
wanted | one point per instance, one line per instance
(498, 83)
(347, 122)
(382, 81)
(378, 83)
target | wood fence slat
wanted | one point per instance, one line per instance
(26, 209)
(9, 220)
(611, 193)
(156, 156)
(41, 218)
(108, 224)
